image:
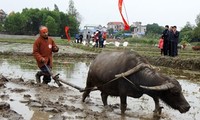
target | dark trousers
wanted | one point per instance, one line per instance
(176, 48)
(81, 40)
(47, 76)
(77, 40)
(172, 49)
(97, 43)
(161, 51)
(101, 43)
(165, 47)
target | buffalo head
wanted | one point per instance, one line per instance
(171, 94)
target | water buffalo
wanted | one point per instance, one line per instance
(129, 74)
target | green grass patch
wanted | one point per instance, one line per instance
(31, 41)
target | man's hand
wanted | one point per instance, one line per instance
(55, 49)
(42, 60)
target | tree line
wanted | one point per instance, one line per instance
(28, 21)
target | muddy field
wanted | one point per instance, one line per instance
(22, 99)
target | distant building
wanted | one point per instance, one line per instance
(2, 15)
(116, 26)
(139, 29)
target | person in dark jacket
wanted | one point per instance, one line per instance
(176, 40)
(165, 35)
(171, 39)
(81, 37)
(77, 38)
(100, 40)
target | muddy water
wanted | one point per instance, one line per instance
(75, 71)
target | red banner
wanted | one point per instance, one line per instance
(126, 26)
(66, 32)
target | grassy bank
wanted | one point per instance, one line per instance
(187, 58)
(30, 40)
(144, 48)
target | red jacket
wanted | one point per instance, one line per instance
(104, 36)
(43, 48)
(160, 44)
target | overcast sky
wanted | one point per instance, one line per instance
(95, 12)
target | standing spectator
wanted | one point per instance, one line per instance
(171, 42)
(88, 37)
(77, 38)
(81, 38)
(165, 36)
(176, 36)
(96, 38)
(104, 36)
(93, 37)
(100, 40)
(160, 45)
(42, 51)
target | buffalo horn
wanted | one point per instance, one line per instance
(165, 86)
(133, 70)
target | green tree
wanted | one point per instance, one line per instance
(197, 20)
(72, 10)
(15, 23)
(196, 31)
(51, 24)
(186, 33)
(63, 23)
(56, 8)
(73, 20)
(29, 21)
(34, 20)
(56, 16)
(2, 19)
(38, 17)
(73, 25)
(1, 26)
(154, 29)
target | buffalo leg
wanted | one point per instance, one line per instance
(88, 89)
(158, 109)
(123, 103)
(85, 94)
(104, 98)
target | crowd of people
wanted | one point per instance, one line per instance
(98, 38)
(168, 42)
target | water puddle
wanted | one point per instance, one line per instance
(65, 103)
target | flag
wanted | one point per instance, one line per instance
(126, 26)
(66, 32)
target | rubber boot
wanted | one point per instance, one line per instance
(38, 75)
(46, 79)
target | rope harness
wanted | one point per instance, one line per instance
(124, 74)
